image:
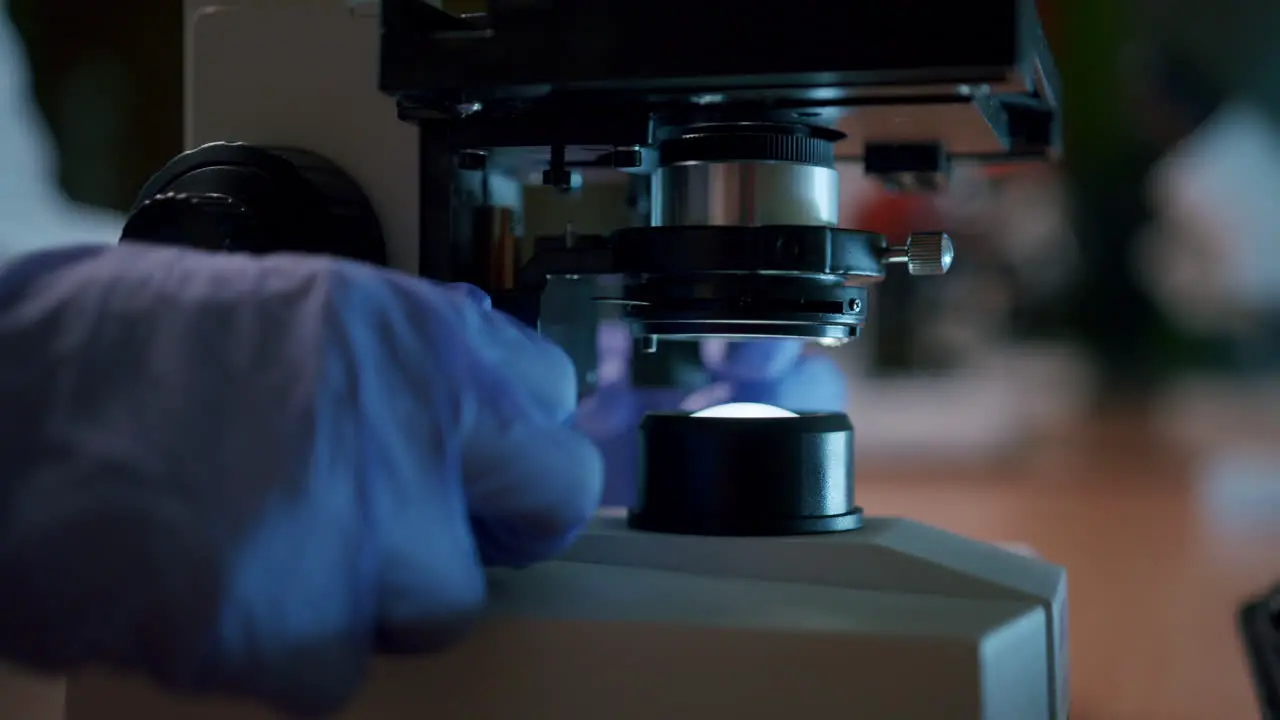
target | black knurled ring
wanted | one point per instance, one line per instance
(748, 146)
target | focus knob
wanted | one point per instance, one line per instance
(244, 198)
(207, 221)
(928, 253)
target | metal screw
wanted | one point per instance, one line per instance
(928, 253)
(855, 305)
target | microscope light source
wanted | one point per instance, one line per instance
(744, 410)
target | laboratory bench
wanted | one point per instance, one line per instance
(1162, 542)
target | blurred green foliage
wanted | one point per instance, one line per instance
(1108, 162)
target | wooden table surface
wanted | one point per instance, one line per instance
(1155, 573)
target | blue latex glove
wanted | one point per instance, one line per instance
(775, 372)
(238, 475)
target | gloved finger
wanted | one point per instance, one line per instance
(529, 489)
(530, 480)
(535, 366)
(613, 353)
(749, 361)
(488, 343)
(608, 411)
(524, 491)
(430, 585)
(521, 490)
(484, 428)
(815, 384)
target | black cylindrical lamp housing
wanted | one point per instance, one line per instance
(745, 476)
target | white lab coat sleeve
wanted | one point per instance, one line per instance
(35, 214)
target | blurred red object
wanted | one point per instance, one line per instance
(897, 215)
(866, 205)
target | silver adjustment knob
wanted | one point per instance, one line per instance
(929, 253)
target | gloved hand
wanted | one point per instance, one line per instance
(244, 475)
(775, 372)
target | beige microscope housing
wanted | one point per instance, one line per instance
(893, 621)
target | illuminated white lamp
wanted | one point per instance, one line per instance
(744, 410)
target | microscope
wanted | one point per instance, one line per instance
(744, 581)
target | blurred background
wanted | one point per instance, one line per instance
(1101, 385)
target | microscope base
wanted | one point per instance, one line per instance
(895, 620)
